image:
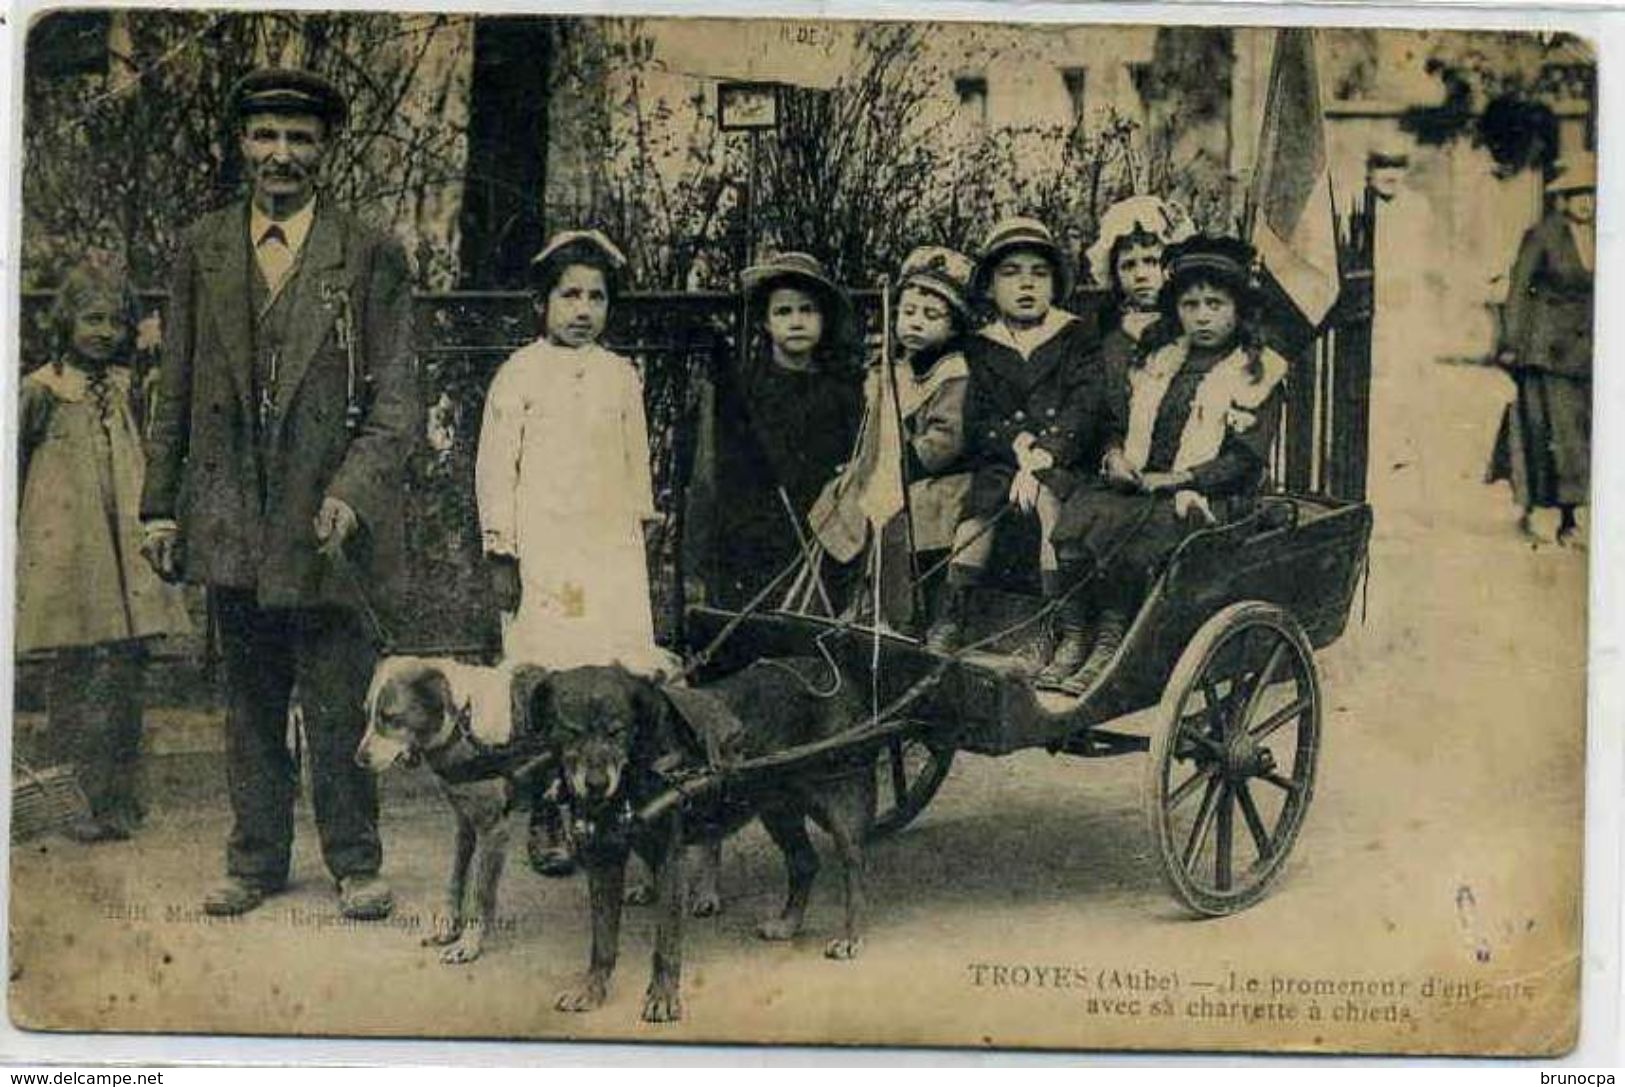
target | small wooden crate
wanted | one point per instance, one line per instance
(44, 800)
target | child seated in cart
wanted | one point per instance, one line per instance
(1033, 409)
(1127, 259)
(927, 378)
(1192, 450)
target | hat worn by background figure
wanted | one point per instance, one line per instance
(943, 272)
(1161, 219)
(1020, 232)
(1227, 262)
(794, 269)
(1574, 175)
(289, 90)
(568, 246)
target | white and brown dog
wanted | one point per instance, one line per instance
(472, 727)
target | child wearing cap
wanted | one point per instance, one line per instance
(85, 597)
(775, 424)
(1034, 403)
(563, 486)
(1192, 450)
(929, 377)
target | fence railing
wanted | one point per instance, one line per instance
(463, 336)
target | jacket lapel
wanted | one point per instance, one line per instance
(310, 315)
(223, 260)
(1026, 372)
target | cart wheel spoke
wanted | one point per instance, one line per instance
(899, 773)
(1256, 690)
(1274, 721)
(1191, 731)
(1188, 786)
(1226, 839)
(1255, 824)
(1286, 784)
(1215, 709)
(1204, 820)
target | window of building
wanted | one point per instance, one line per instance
(972, 92)
(1076, 81)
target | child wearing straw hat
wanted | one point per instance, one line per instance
(780, 420)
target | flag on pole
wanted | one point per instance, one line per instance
(1291, 200)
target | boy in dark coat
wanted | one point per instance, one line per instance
(1033, 413)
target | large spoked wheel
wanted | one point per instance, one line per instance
(908, 773)
(1233, 760)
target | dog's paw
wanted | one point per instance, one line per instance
(843, 948)
(705, 904)
(662, 1005)
(642, 894)
(585, 996)
(464, 950)
(777, 928)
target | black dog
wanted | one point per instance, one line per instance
(618, 737)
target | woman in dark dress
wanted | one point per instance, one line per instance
(1545, 442)
(778, 425)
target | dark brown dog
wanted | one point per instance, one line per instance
(618, 736)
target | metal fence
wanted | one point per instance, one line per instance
(462, 337)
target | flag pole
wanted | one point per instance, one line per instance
(916, 592)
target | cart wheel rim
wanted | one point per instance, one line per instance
(908, 773)
(1233, 763)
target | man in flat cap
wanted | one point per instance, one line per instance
(287, 400)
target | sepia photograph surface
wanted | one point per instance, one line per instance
(781, 531)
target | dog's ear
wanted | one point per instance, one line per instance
(709, 724)
(530, 691)
(430, 686)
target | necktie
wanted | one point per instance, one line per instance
(275, 257)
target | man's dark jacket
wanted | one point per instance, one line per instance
(246, 503)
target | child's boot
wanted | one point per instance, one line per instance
(947, 631)
(1109, 635)
(1072, 647)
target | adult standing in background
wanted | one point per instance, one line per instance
(285, 408)
(1545, 442)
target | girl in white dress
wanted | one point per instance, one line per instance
(562, 477)
(564, 492)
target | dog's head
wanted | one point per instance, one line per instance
(410, 710)
(606, 725)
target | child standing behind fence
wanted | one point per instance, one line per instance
(85, 596)
(780, 420)
(562, 476)
(565, 494)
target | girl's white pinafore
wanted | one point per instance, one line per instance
(563, 484)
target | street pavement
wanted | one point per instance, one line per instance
(1443, 845)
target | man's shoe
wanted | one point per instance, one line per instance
(89, 829)
(234, 896)
(365, 898)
